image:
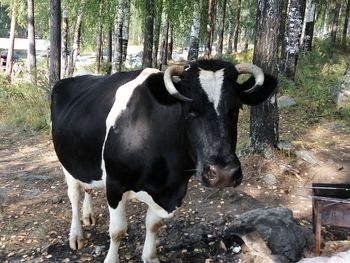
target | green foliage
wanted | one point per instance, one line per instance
(316, 78)
(25, 105)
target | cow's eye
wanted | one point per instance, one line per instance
(192, 114)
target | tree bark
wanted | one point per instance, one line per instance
(346, 23)
(99, 46)
(237, 25)
(210, 29)
(335, 22)
(264, 117)
(55, 42)
(76, 40)
(31, 59)
(230, 27)
(221, 30)
(309, 24)
(164, 49)
(110, 50)
(9, 59)
(293, 34)
(64, 44)
(194, 39)
(157, 26)
(148, 35)
(125, 30)
(118, 48)
(170, 43)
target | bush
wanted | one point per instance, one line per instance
(25, 105)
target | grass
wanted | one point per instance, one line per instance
(24, 105)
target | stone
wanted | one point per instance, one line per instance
(270, 179)
(307, 156)
(285, 101)
(278, 229)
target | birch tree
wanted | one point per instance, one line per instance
(194, 39)
(293, 34)
(309, 24)
(210, 28)
(31, 56)
(264, 117)
(9, 59)
(64, 61)
(99, 44)
(346, 23)
(237, 25)
(230, 27)
(221, 29)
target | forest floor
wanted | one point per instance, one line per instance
(35, 211)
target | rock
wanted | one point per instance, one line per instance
(342, 257)
(307, 156)
(285, 101)
(285, 146)
(270, 179)
(99, 249)
(277, 227)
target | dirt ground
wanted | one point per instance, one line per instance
(35, 211)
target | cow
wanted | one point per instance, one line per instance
(143, 134)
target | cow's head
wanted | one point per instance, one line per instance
(211, 99)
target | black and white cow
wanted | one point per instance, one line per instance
(142, 135)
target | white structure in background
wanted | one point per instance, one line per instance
(21, 44)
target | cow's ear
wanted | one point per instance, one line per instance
(260, 94)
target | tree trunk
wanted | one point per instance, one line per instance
(64, 44)
(282, 38)
(346, 23)
(118, 48)
(335, 22)
(293, 34)
(264, 117)
(31, 59)
(148, 35)
(230, 27)
(99, 48)
(76, 40)
(194, 39)
(55, 42)
(110, 50)
(221, 30)
(164, 49)
(170, 43)
(309, 24)
(237, 25)
(9, 59)
(125, 30)
(157, 26)
(210, 29)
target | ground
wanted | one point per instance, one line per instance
(35, 211)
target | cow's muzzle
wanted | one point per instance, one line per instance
(216, 176)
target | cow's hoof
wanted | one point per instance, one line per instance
(89, 220)
(76, 242)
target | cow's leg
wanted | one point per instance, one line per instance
(117, 229)
(76, 237)
(153, 223)
(88, 214)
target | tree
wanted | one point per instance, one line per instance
(99, 46)
(335, 22)
(64, 60)
(55, 42)
(194, 39)
(210, 28)
(230, 27)
(164, 47)
(9, 60)
(264, 117)
(157, 26)
(309, 24)
(237, 25)
(222, 29)
(148, 34)
(76, 39)
(346, 23)
(31, 60)
(293, 34)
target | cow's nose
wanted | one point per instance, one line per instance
(223, 177)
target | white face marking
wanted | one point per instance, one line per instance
(211, 82)
(122, 97)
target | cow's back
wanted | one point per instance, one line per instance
(79, 110)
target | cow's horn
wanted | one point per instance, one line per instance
(255, 71)
(174, 71)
